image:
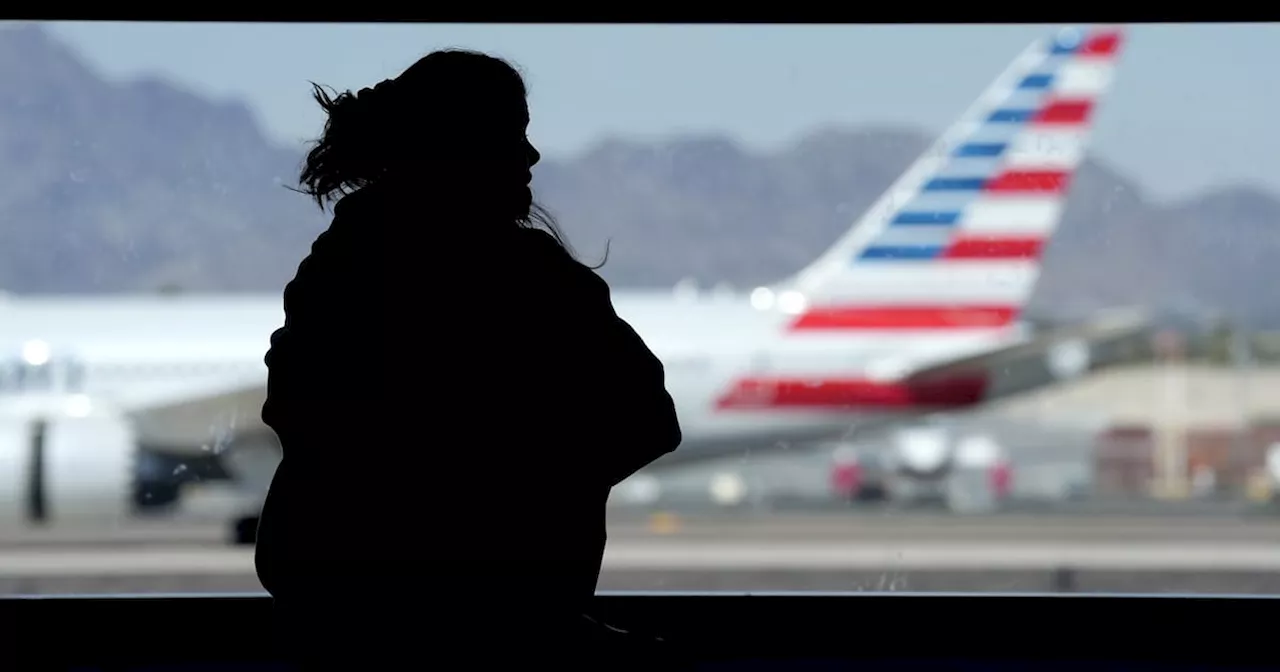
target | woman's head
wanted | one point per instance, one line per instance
(452, 125)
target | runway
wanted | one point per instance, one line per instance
(735, 552)
(720, 556)
(897, 527)
(941, 568)
(752, 528)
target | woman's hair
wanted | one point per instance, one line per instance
(364, 132)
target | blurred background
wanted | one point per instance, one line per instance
(148, 233)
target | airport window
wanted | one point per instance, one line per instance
(24, 375)
(838, 245)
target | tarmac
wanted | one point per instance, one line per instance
(738, 552)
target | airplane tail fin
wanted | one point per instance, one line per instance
(956, 242)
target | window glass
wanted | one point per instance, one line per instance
(948, 308)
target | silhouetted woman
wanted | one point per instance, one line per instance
(453, 391)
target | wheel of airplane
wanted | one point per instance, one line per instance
(244, 531)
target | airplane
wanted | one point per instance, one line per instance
(916, 309)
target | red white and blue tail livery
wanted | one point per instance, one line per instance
(956, 242)
(910, 310)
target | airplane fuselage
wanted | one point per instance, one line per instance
(128, 351)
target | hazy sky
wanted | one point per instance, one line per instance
(1194, 106)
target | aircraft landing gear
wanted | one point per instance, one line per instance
(244, 531)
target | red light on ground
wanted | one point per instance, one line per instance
(846, 478)
(1001, 479)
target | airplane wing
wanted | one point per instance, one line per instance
(1046, 359)
(1054, 357)
(200, 419)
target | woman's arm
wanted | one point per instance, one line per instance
(616, 389)
(639, 407)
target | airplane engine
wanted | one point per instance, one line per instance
(251, 461)
(246, 463)
(922, 453)
(65, 463)
(968, 474)
(982, 476)
(920, 460)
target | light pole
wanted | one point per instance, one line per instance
(1242, 368)
(1170, 460)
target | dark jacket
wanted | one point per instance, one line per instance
(454, 402)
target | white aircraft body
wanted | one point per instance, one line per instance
(913, 310)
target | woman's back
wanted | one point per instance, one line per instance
(425, 377)
(427, 402)
(454, 393)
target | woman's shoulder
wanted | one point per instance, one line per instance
(543, 246)
(552, 258)
(539, 241)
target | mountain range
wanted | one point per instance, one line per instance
(144, 185)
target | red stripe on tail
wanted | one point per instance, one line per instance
(952, 391)
(994, 248)
(1064, 112)
(905, 318)
(1101, 43)
(1029, 181)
